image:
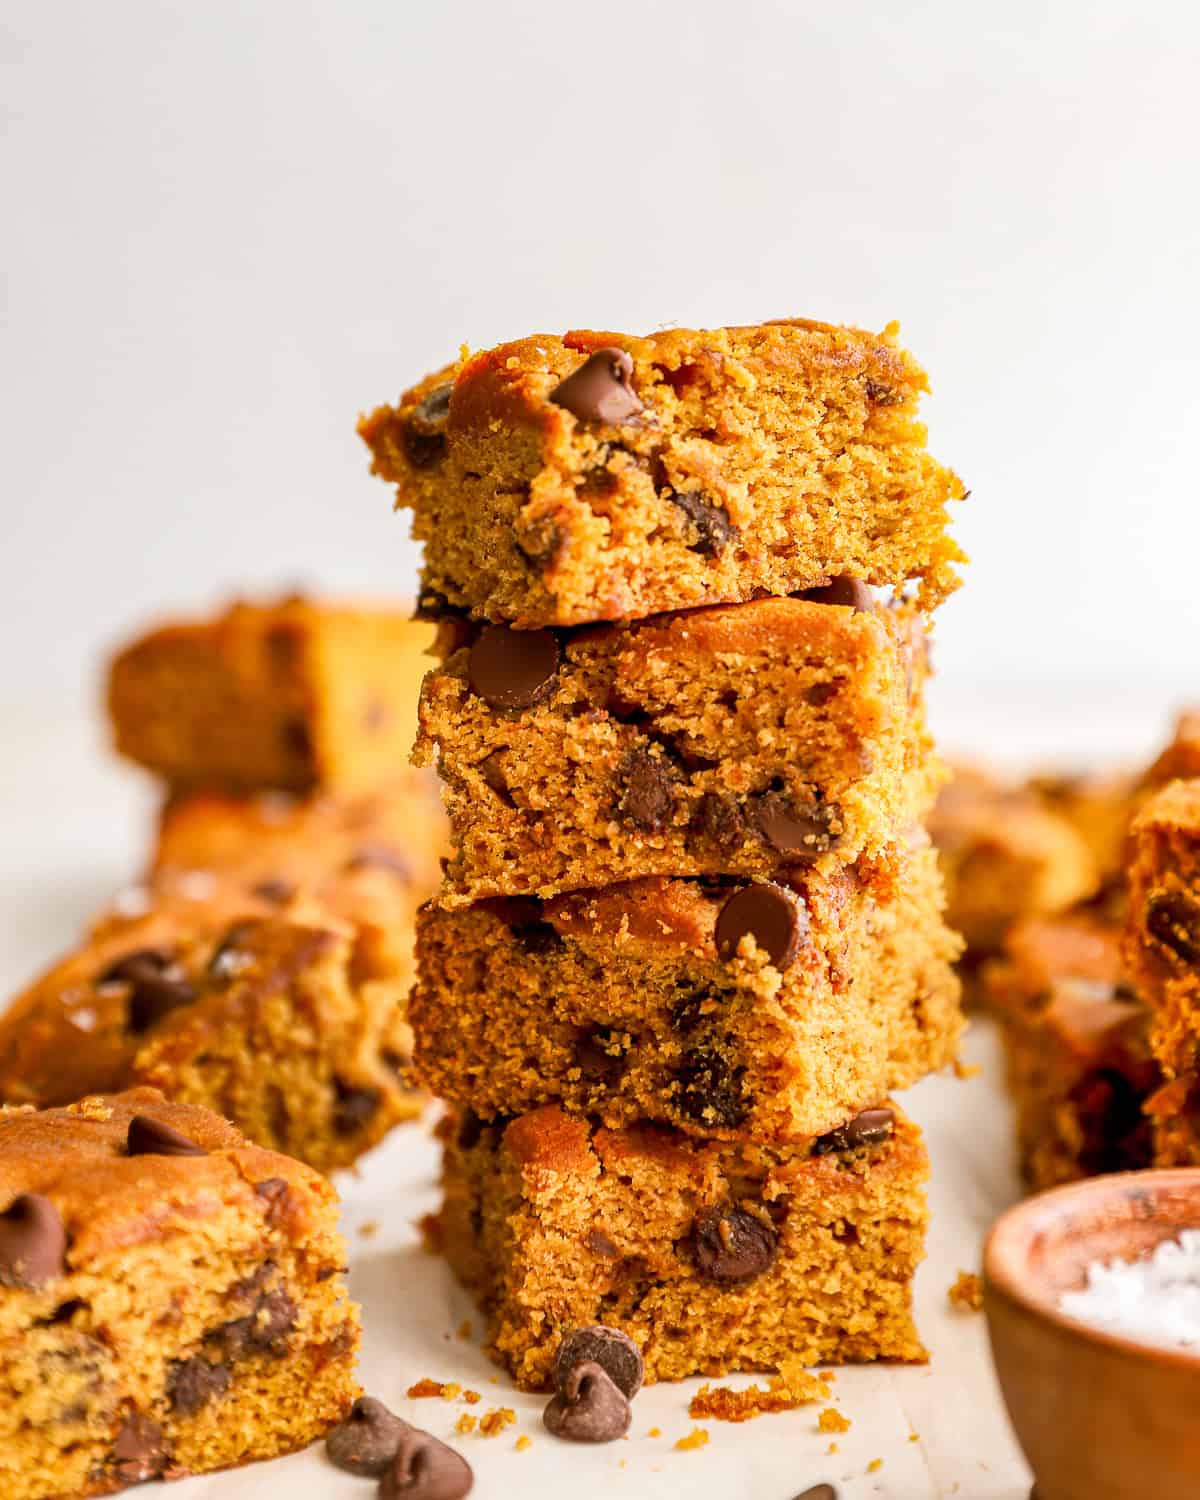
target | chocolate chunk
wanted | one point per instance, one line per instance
(139, 1452)
(731, 1245)
(770, 914)
(1173, 919)
(711, 1089)
(423, 435)
(865, 1129)
(615, 1352)
(193, 1383)
(355, 1106)
(588, 1406)
(795, 827)
(601, 389)
(424, 1469)
(513, 668)
(279, 892)
(710, 519)
(491, 772)
(261, 1331)
(156, 983)
(367, 1441)
(150, 1137)
(647, 797)
(722, 819)
(33, 1242)
(380, 857)
(818, 1492)
(851, 593)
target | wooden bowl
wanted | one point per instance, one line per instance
(1099, 1417)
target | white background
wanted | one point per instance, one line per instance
(228, 227)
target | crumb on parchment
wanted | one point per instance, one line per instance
(967, 1292)
(794, 1386)
(466, 1423)
(523, 1443)
(831, 1420)
(493, 1422)
(697, 1438)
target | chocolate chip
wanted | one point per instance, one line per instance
(355, 1106)
(795, 827)
(851, 593)
(150, 1137)
(600, 1244)
(588, 1407)
(1173, 919)
(380, 857)
(423, 435)
(513, 668)
(710, 519)
(881, 394)
(711, 1089)
(157, 985)
(865, 1129)
(615, 1352)
(647, 790)
(601, 389)
(33, 1242)
(722, 819)
(818, 1492)
(262, 1330)
(540, 539)
(297, 739)
(276, 1193)
(279, 892)
(731, 1245)
(424, 1469)
(367, 1440)
(193, 1383)
(139, 1452)
(491, 771)
(770, 914)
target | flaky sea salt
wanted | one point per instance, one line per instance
(1155, 1301)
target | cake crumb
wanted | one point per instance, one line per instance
(472, 1398)
(697, 1438)
(967, 1292)
(832, 1449)
(368, 1229)
(831, 1420)
(964, 1070)
(466, 1423)
(91, 1108)
(424, 1387)
(655, 1432)
(875, 1465)
(794, 1386)
(914, 1437)
(465, 1329)
(523, 1443)
(493, 1422)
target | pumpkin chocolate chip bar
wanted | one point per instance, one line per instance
(599, 476)
(171, 1298)
(712, 1256)
(737, 739)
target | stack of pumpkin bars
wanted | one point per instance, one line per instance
(690, 936)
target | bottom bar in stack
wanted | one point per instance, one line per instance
(714, 1256)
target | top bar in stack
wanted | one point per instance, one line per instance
(600, 476)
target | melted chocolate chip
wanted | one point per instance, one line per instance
(588, 1407)
(1173, 919)
(723, 821)
(710, 1090)
(367, 1441)
(33, 1242)
(596, 1062)
(851, 593)
(614, 1351)
(150, 1137)
(355, 1106)
(731, 1245)
(818, 1492)
(770, 914)
(647, 784)
(513, 669)
(261, 1331)
(523, 916)
(540, 539)
(229, 955)
(193, 1383)
(880, 393)
(865, 1129)
(601, 389)
(276, 1193)
(423, 434)
(710, 520)
(157, 985)
(601, 1244)
(424, 1469)
(794, 827)
(139, 1452)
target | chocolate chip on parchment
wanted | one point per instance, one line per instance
(367, 1440)
(710, 520)
(865, 1129)
(795, 827)
(851, 593)
(513, 668)
(601, 389)
(1173, 919)
(139, 1452)
(33, 1242)
(588, 1407)
(150, 1137)
(647, 783)
(614, 1351)
(193, 1383)
(424, 1469)
(817, 1492)
(731, 1245)
(773, 916)
(156, 983)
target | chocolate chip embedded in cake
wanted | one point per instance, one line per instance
(711, 1257)
(162, 1316)
(738, 739)
(599, 476)
(731, 1009)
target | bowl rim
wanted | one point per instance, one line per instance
(1000, 1278)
